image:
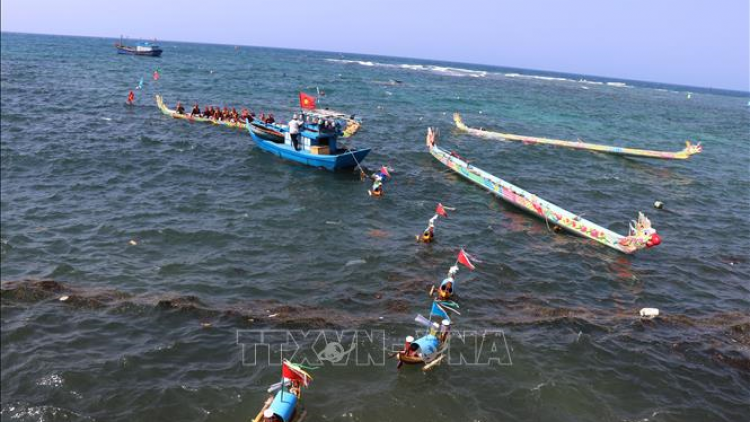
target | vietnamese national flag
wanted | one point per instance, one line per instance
(463, 258)
(295, 373)
(440, 210)
(306, 101)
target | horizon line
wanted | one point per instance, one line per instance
(610, 78)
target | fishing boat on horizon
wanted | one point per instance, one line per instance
(640, 235)
(689, 150)
(310, 138)
(141, 49)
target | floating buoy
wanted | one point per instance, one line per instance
(64, 298)
(133, 242)
(654, 241)
(649, 312)
(659, 205)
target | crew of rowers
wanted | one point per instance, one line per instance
(224, 115)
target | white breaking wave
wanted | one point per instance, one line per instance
(450, 71)
(461, 72)
(559, 79)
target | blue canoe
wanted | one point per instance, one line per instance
(318, 148)
(284, 405)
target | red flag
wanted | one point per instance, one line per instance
(384, 171)
(440, 210)
(463, 258)
(306, 101)
(295, 373)
(156, 75)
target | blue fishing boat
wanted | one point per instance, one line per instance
(140, 49)
(317, 144)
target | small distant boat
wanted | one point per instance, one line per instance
(140, 49)
(689, 150)
(640, 236)
(318, 146)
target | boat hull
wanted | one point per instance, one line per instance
(299, 415)
(550, 213)
(121, 49)
(266, 134)
(686, 153)
(344, 160)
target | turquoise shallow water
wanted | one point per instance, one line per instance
(228, 236)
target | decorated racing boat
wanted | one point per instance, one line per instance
(284, 403)
(172, 113)
(641, 235)
(317, 143)
(686, 153)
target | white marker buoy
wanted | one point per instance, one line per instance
(658, 205)
(64, 298)
(649, 313)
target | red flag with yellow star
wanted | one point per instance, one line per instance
(306, 101)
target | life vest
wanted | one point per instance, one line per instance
(444, 294)
(445, 291)
(428, 236)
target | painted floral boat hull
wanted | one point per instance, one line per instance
(551, 213)
(686, 153)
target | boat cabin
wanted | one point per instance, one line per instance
(146, 47)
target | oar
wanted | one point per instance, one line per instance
(433, 363)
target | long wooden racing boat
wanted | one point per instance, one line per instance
(686, 153)
(169, 112)
(640, 235)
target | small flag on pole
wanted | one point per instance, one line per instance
(437, 310)
(440, 210)
(306, 101)
(295, 373)
(463, 258)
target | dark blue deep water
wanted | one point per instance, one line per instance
(229, 238)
